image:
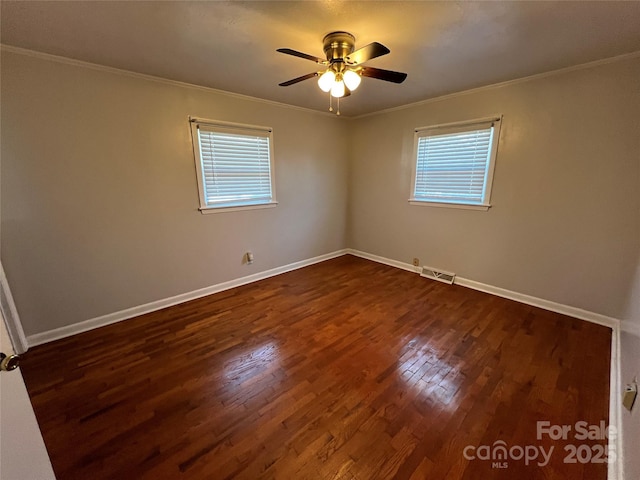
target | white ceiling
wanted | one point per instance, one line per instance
(445, 47)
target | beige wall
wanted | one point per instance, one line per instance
(99, 200)
(630, 370)
(632, 313)
(566, 194)
(99, 196)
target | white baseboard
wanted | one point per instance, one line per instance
(66, 331)
(69, 330)
(10, 313)
(541, 303)
(501, 292)
(385, 261)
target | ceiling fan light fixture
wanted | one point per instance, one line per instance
(337, 90)
(343, 66)
(326, 80)
(351, 79)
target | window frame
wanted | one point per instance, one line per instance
(236, 129)
(459, 127)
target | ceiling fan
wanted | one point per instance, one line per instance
(344, 65)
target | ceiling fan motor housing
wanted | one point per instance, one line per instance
(337, 45)
(344, 62)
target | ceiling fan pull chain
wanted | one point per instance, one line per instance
(338, 112)
(330, 103)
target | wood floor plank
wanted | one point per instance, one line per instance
(346, 369)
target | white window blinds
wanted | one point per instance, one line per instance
(454, 164)
(235, 167)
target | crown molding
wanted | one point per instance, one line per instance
(515, 81)
(118, 71)
(95, 66)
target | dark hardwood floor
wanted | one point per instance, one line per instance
(346, 369)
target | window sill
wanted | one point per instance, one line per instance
(236, 208)
(464, 206)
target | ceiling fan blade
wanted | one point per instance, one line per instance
(299, 79)
(295, 53)
(386, 75)
(366, 53)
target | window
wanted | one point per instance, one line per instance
(454, 164)
(234, 164)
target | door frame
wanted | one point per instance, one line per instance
(11, 317)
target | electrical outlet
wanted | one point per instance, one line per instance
(416, 262)
(630, 394)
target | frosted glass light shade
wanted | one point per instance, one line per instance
(351, 79)
(326, 80)
(338, 89)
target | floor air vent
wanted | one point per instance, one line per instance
(439, 275)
